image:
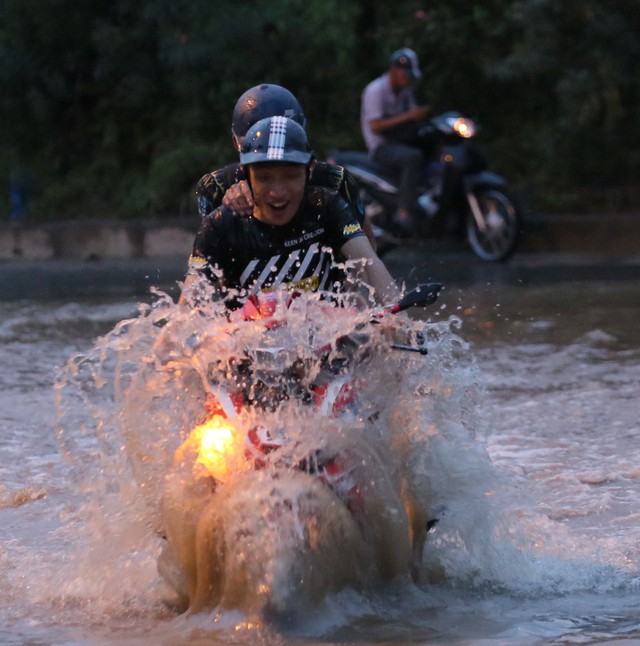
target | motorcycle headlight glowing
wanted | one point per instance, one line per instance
(464, 127)
(216, 446)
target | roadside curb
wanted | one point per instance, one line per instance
(607, 235)
(97, 239)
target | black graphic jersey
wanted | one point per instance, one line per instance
(213, 186)
(256, 256)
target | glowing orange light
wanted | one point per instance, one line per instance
(216, 442)
(215, 445)
(464, 128)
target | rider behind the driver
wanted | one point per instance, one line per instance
(228, 185)
(295, 231)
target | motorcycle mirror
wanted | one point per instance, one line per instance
(424, 294)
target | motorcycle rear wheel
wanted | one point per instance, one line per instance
(498, 240)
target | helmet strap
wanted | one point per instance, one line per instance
(310, 165)
(237, 144)
(247, 177)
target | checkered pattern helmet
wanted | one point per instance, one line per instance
(262, 101)
(276, 139)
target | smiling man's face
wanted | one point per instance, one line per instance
(278, 189)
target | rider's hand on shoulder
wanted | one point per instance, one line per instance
(239, 198)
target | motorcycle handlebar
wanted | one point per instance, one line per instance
(424, 294)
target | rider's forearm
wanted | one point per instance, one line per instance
(389, 123)
(377, 275)
(371, 269)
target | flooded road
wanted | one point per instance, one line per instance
(538, 540)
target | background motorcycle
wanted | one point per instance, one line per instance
(458, 193)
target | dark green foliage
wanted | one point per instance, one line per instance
(117, 107)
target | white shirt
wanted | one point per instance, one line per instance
(379, 101)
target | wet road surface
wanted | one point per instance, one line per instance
(430, 261)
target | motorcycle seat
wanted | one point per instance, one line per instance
(356, 158)
(363, 168)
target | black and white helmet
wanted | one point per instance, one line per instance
(262, 101)
(276, 139)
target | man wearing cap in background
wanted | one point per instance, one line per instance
(388, 109)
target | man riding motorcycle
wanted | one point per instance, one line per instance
(388, 106)
(295, 230)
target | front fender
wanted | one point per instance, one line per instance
(483, 178)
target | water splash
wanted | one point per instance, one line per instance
(127, 405)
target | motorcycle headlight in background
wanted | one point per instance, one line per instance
(464, 127)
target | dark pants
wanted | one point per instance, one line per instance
(405, 162)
